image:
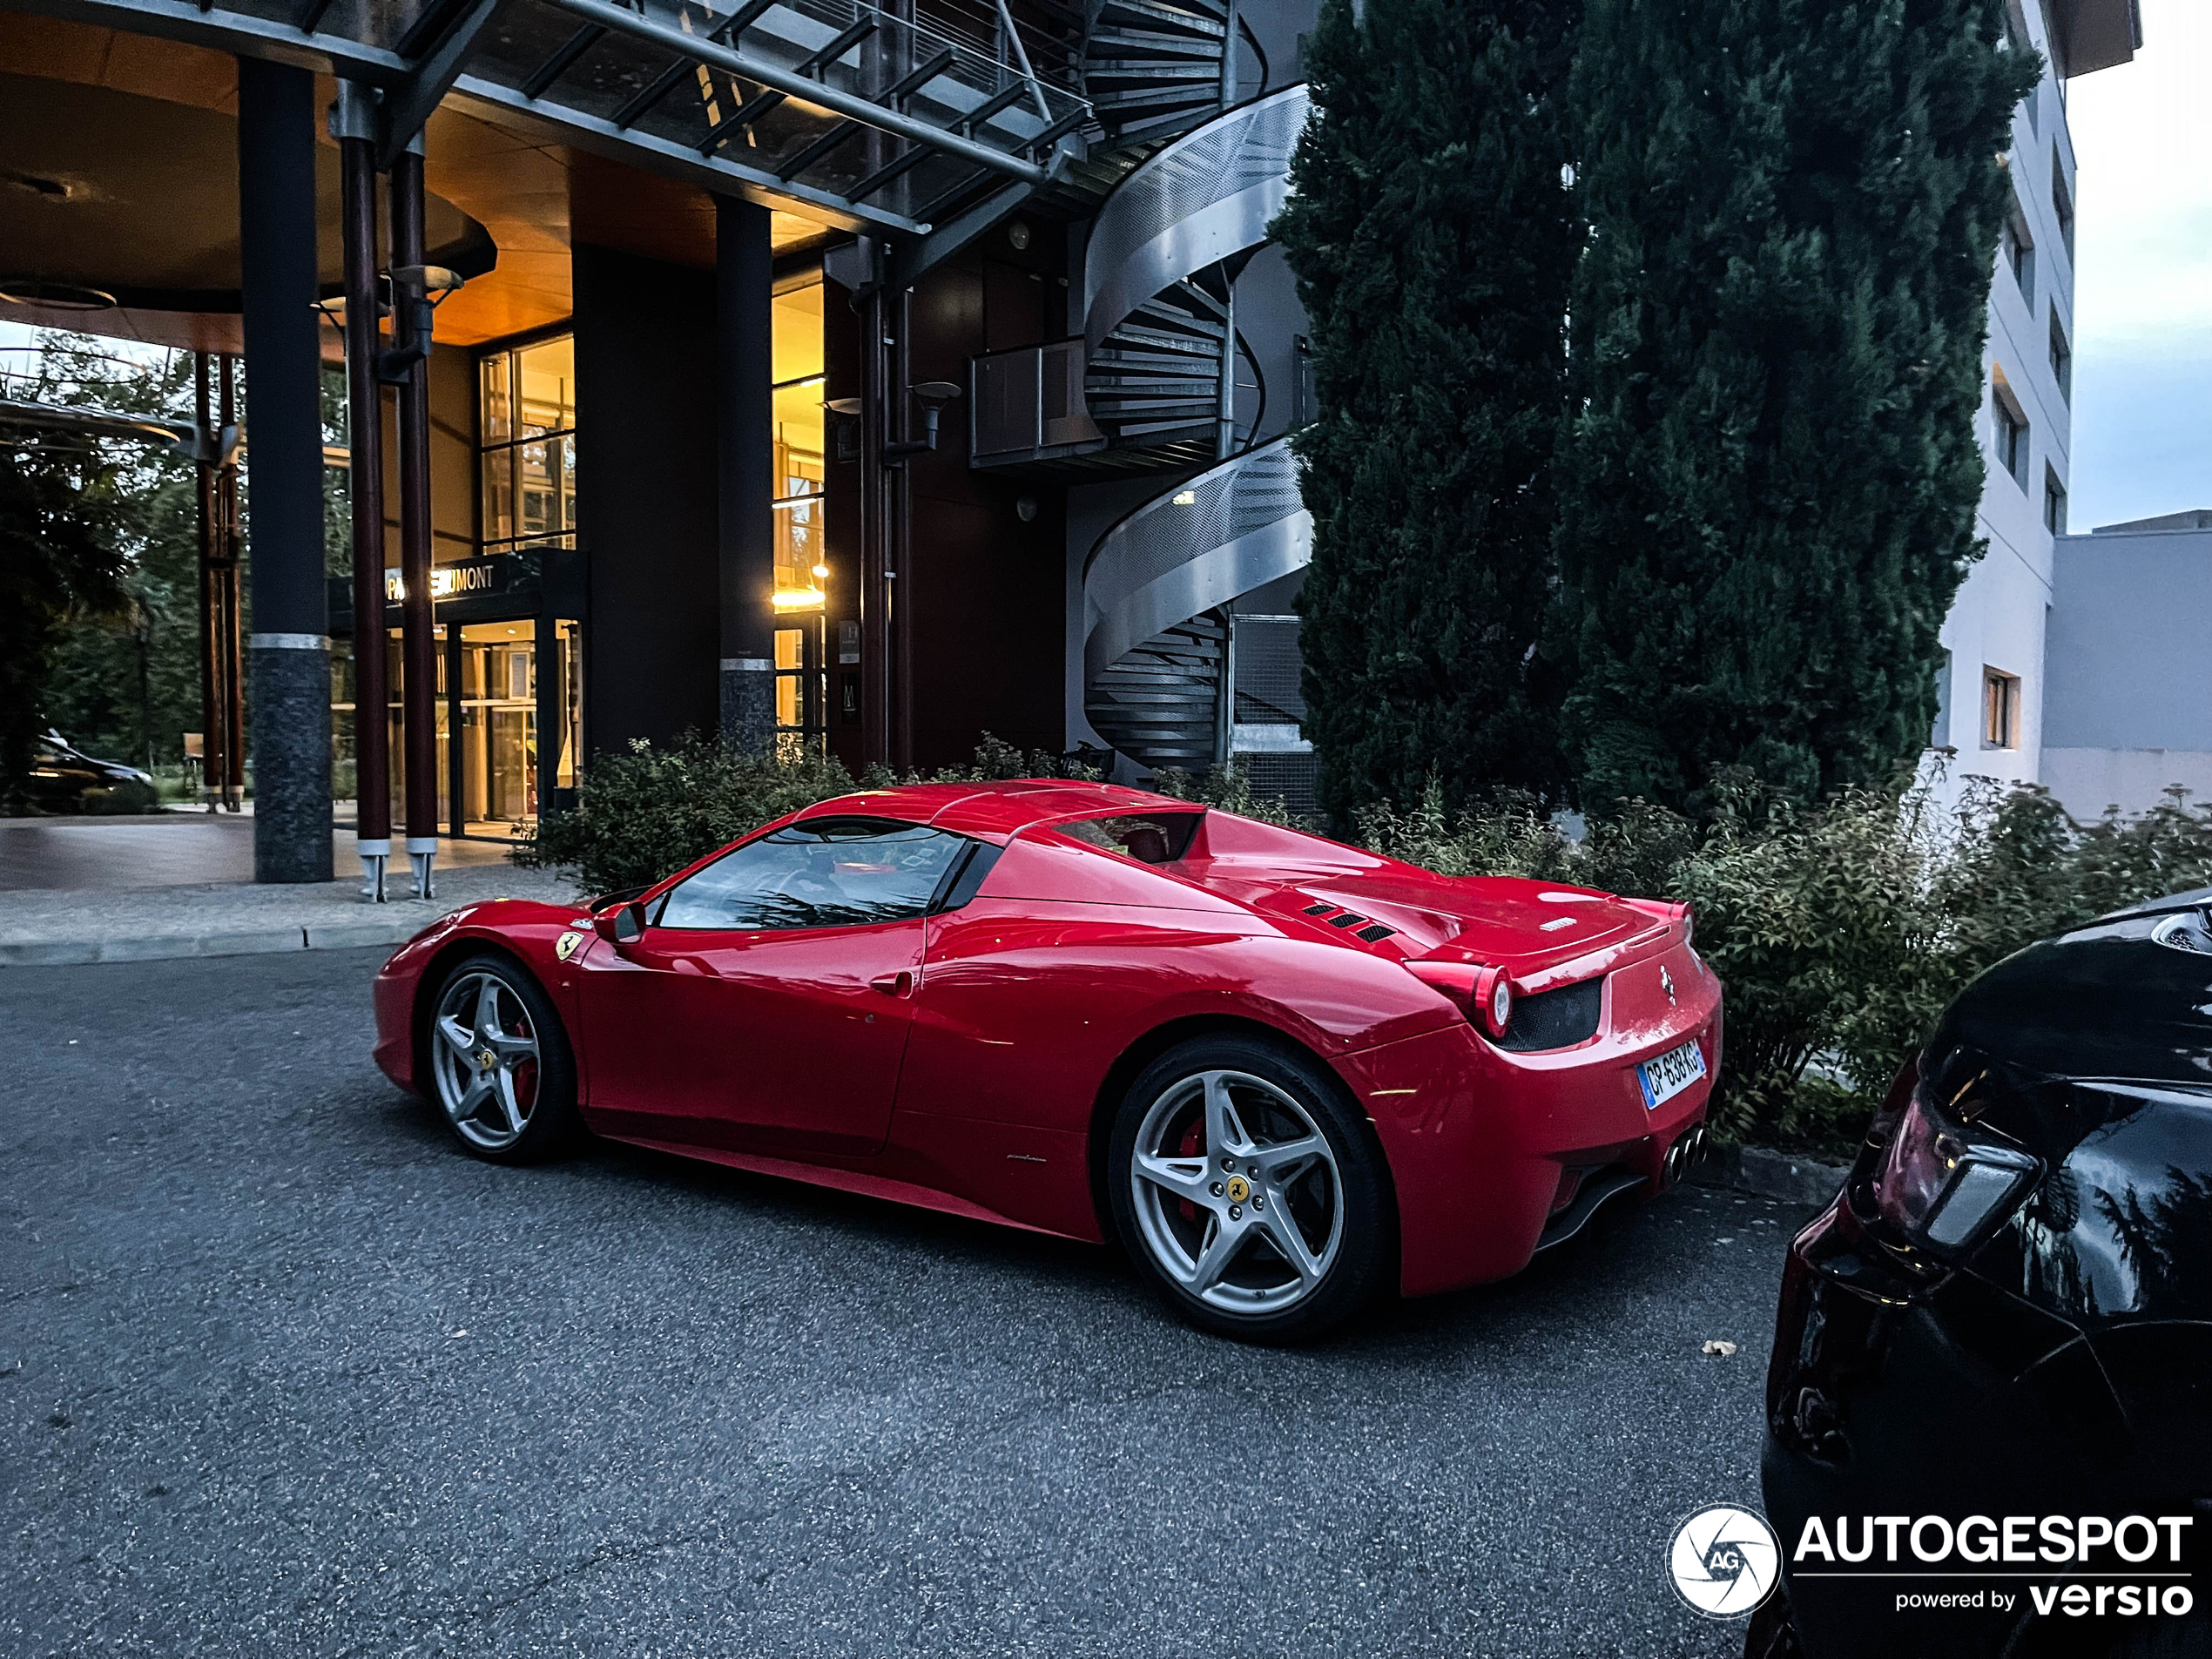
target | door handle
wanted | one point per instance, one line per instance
(899, 984)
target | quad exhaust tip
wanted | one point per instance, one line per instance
(1683, 1157)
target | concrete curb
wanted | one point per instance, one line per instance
(1768, 1174)
(342, 936)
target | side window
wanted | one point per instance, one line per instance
(827, 873)
(1150, 837)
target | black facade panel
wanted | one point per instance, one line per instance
(646, 496)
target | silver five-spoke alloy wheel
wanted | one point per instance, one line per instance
(484, 1052)
(1237, 1192)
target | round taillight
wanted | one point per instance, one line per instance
(1491, 1003)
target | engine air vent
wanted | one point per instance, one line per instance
(1347, 919)
(1319, 910)
(1375, 934)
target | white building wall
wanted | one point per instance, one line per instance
(1999, 619)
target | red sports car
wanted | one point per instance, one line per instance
(1284, 1072)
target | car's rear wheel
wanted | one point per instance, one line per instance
(1248, 1191)
(500, 1064)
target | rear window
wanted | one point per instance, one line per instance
(1149, 838)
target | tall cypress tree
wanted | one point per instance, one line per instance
(1767, 490)
(1432, 236)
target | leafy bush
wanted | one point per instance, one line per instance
(642, 814)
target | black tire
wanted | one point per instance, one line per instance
(1256, 1292)
(547, 1121)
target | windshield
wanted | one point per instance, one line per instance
(829, 873)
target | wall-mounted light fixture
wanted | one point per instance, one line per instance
(933, 396)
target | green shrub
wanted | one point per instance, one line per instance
(642, 814)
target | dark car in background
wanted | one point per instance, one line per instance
(1995, 1344)
(65, 780)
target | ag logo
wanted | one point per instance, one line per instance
(1723, 1560)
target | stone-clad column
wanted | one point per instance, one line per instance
(290, 643)
(744, 439)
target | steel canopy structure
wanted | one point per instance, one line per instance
(835, 109)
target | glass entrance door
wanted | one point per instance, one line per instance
(497, 711)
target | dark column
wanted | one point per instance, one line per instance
(291, 647)
(365, 440)
(230, 650)
(878, 576)
(646, 506)
(745, 428)
(418, 649)
(212, 712)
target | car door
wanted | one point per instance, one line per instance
(767, 1002)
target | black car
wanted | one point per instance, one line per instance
(64, 779)
(1989, 1406)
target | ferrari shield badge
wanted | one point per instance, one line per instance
(567, 946)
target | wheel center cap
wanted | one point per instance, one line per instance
(486, 1060)
(1239, 1189)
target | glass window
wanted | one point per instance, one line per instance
(497, 426)
(527, 420)
(802, 557)
(827, 873)
(548, 499)
(2000, 700)
(499, 496)
(796, 326)
(546, 377)
(1152, 838)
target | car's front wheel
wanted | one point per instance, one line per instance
(1248, 1191)
(500, 1065)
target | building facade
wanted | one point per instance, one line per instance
(1001, 269)
(2127, 712)
(1992, 694)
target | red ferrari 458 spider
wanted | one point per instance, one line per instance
(1285, 1073)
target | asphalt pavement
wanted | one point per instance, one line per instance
(284, 1371)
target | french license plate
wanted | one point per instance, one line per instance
(1665, 1075)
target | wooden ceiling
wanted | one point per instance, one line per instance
(535, 198)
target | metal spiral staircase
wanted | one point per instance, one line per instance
(1155, 68)
(1163, 352)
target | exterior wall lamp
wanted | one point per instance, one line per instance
(933, 395)
(416, 283)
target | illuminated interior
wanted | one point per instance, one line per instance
(527, 416)
(797, 356)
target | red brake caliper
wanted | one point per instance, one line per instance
(525, 1074)
(1193, 1144)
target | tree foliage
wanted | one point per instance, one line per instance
(1430, 230)
(62, 560)
(1768, 485)
(118, 670)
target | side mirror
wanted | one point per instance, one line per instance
(620, 926)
